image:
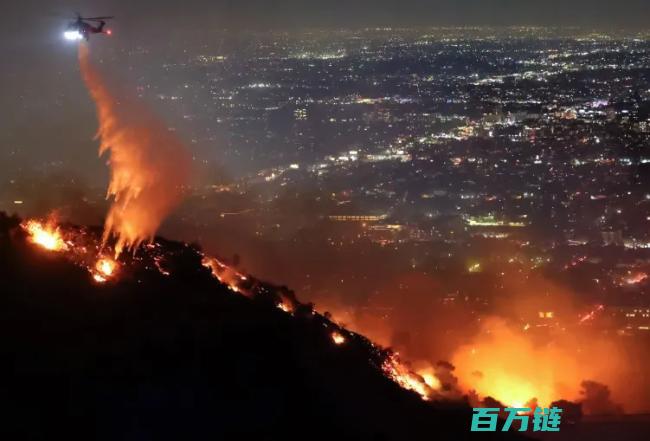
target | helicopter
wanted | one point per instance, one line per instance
(81, 28)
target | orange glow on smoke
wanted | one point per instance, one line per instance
(515, 366)
(508, 367)
(430, 378)
(46, 236)
(149, 166)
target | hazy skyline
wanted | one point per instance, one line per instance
(175, 14)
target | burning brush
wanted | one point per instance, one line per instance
(78, 245)
(85, 249)
(46, 235)
(425, 386)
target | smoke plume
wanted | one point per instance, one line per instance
(503, 356)
(149, 166)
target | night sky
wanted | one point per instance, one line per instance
(336, 12)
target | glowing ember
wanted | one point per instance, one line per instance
(161, 270)
(285, 307)
(591, 314)
(104, 269)
(338, 338)
(635, 279)
(45, 235)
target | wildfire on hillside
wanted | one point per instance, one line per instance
(502, 363)
(399, 372)
(78, 246)
(86, 250)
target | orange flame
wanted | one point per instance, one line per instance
(397, 371)
(105, 266)
(286, 307)
(47, 235)
(430, 378)
(149, 166)
(506, 364)
(338, 338)
(225, 274)
(104, 269)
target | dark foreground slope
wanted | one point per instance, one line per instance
(180, 357)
